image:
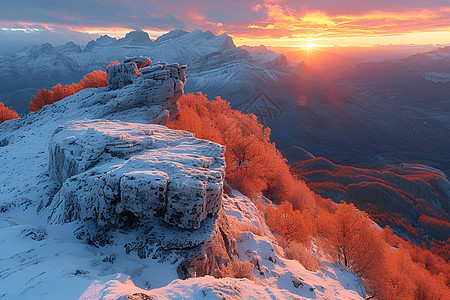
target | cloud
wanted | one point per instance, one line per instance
(17, 36)
(285, 22)
(244, 20)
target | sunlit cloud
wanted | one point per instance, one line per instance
(284, 22)
(269, 22)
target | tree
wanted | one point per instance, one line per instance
(253, 164)
(355, 241)
(292, 225)
(388, 265)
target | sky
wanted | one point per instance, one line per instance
(277, 23)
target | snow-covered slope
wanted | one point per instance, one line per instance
(437, 77)
(276, 277)
(78, 257)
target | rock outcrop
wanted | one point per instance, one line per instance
(141, 61)
(156, 86)
(121, 75)
(118, 174)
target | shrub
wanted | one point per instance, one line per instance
(59, 91)
(236, 269)
(95, 79)
(253, 164)
(299, 252)
(7, 113)
(237, 228)
(387, 264)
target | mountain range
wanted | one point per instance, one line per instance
(99, 198)
(365, 116)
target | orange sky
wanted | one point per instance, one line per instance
(282, 23)
(288, 27)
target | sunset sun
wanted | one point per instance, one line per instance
(310, 46)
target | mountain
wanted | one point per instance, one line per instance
(207, 56)
(99, 202)
(403, 80)
(319, 60)
(410, 198)
(363, 118)
(416, 90)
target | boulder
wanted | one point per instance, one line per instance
(140, 61)
(119, 174)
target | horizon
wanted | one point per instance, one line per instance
(358, 53)
(279, 24)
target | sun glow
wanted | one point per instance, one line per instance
(310, 46)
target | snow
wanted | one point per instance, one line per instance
(214, 63)
(195, 288)
(437, 77)
(47, 268)
(53, 260)
(330, 282)
(265, 57)
(282, 279)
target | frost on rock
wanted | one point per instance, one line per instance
(121, 75)
(119, 174)
(156, 86)
(139, 60)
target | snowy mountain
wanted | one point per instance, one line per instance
(353, 121)
(93, 206)
(214, 63)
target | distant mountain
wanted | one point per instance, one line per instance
(215, 64)
(404, 80)
(319, 60)
(412, 199)
(417, 91)
(344, 121)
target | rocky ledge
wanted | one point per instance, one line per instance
(122, 174)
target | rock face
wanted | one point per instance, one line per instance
(121, 75)
(141, 61)
(157, 86)
(119, 174)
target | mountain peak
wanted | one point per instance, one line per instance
(136, 38)
(69, 47)
(173, 34)
(105, 39)
(44, 48)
